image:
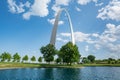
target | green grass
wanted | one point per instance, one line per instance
(36, 65)
(16, 65)
(109, 65)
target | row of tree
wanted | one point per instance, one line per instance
(108, 61)
(67, 54)
(91, 59)
(88, 59)
(7, 57)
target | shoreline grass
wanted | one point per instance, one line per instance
(10, 65)
(101, 65)
(35, 65)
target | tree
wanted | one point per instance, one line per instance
(69, 53)
(9, 57)
(91, 58)
(5, 56)
(25, 58)
(111, 61)
(85, 60)
(33, 59)
(40, 59)
(58, 60)
(48, 52)
(118, 61)
(16, 57)
(2, 57)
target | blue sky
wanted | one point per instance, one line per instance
(26, 25)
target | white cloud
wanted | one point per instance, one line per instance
(111, 11)
(65, 34)
(62, 2)
(108, 40)
(53, 20)
(84, 2)
(56, 7)
(95, 35)
(27, 15)
(27, 4)
(58, 3)
(78, 9)
(39, 8)
(113, 47)
(97, 46)
(62, 40)
(99, 4)
(14, 8)
(111, 28)
(80, 37)
(87, 48)
(110, 35)
(113, 50)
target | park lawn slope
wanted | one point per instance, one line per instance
(101, 65)
(17, 65)
(7, 65)
(35, 65)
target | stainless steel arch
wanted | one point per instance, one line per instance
(54, 31)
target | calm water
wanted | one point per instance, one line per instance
(87, 73)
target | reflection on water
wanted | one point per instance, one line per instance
(66, 73)
(47, 74)
(87, 73)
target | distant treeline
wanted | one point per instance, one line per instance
(7, 57)
(108, 61)
(67, 54)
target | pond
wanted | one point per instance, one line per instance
(86, 73)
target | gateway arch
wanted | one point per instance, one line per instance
(54, 31)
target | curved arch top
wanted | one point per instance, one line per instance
(54, 31)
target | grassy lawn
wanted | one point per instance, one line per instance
(102, 65)
(15, 65)
(36, 65)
